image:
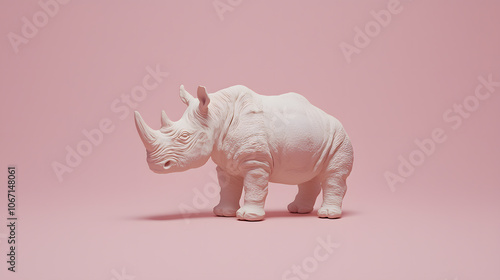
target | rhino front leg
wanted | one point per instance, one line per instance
(230, 194)
(255, 183)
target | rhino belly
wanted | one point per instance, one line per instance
(299, 140)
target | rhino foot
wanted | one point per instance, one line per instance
(250, 213)
(331, 212)
(299, 208)
(225, 211)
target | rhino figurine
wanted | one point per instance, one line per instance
(255, 139)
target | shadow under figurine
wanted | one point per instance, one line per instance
(254, 140)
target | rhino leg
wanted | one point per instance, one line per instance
(334, 189)
(305, 198)
(255, 184)
(334, 181)
(230, 194)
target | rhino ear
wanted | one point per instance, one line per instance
(204, 99)
(185, 96)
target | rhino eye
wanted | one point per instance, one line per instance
(167, 163)
(184, 135)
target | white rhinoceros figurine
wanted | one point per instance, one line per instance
(255, 139)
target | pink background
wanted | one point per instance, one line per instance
(111, 212)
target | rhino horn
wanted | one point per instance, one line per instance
(147, 134)
(165, 121)
(185, 96)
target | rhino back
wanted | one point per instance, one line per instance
(286, 132)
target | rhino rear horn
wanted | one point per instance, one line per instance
(186, 98)
(165, 121)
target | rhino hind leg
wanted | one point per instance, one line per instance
(230, 194)
(334, 181)
(305, 198)
(334, 189)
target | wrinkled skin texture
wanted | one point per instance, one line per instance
(254, 140)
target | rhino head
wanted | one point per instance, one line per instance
(181, 145)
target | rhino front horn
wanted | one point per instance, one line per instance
(147, 134)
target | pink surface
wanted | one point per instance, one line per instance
(112, 218)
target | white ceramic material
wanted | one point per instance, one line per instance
(255, 139)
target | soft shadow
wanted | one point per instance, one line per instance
(209, 214)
